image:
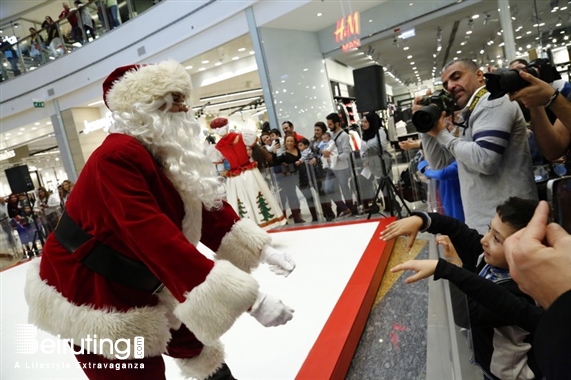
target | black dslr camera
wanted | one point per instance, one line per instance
(504, 81)
(425, 118)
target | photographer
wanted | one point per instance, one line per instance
(554, 140)
(492, 153)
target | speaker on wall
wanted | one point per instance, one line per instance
(19, 179)
(370, 92)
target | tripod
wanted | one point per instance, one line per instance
(387, 186)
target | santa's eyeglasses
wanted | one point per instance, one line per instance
(178, 98)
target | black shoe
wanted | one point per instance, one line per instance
(223, 373)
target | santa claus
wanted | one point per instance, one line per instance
(246, 188)
(123, 266)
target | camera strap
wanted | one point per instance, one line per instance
(471, 107)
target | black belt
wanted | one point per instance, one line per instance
(105, 261)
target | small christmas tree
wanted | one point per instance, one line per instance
(263, 207)
(241, 209)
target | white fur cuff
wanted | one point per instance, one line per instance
(212, 307)
(242, 246)
(203, 365)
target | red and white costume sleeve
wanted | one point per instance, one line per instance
(124, 200)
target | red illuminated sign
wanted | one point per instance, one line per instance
(347, 32)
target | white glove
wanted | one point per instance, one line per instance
(280, 262)
(270, 311)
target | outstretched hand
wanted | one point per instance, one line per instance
(281, 263)
(423, 269)
(407, 226)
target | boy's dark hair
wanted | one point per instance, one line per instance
(276, 131)
(517, 212)
(518, 60)
(334, 117)
(304, 141)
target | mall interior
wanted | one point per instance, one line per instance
(273, 61)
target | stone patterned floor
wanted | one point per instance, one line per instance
(393, 344)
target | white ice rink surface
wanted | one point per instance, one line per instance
(325, 257)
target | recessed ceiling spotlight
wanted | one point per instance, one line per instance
(188, 67)
(235, 58)
(475, 16)
(405, 48)
(409, 56)
(217, 63)
(34, 128)
(412, 63)
(251, 52)
(201, 69)
(22, 129)
(319, 14)
(459, 52)
(242, 49)
(36, 123)
(205, 61)
(49, 123)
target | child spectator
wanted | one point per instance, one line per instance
(305, 150)
(328, 145)
(501, 349)
(278, 146)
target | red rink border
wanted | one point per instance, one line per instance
(333, 350)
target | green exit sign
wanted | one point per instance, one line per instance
(39, 105)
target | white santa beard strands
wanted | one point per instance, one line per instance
(172, 139)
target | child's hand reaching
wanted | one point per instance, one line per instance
(450, 253)
(423, 269)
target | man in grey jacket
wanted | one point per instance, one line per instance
(341, 172)
(494, 162)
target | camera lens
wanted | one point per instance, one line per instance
(425, 118)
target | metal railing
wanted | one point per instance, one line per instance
(57, 38)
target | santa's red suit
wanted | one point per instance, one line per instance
(124, 200)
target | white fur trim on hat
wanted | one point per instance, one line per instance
(211, 308)
(242, 246)
(52, 312)
(147, 84)
(203, 365)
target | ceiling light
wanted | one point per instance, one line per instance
(459, 52)
(50, 123)
(409, 56)
(412, 63)
(242, 49)
(201, 69)
(319, 14)
(414, 68)
(251, 52)
(217, 63)
(407, 34)
(405, 48)
(34, 128)
(235, 58)
(188, 67)
(468, 32)
(36, 123)
(205, 62)
(22, 129)
(462, 43)
(475, 16)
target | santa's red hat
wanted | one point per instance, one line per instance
(219, 122)
(132, 84)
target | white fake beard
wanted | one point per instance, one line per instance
(173, 139)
